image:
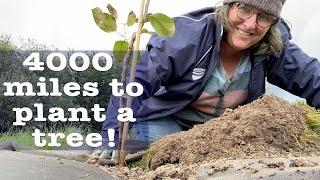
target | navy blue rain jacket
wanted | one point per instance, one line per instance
(174, 71)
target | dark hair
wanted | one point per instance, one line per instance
(271, 43)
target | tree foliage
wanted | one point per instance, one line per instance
(107, 21)
(12, 70)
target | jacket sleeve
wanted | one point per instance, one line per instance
(295, 71)
(158, 67)
(152, 72)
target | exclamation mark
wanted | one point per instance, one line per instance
(111, 133)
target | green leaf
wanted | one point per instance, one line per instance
(104, 21)
(131, 18)
(148, 17)
(112, 11)
(120, 49)
(144, 30)
(162, 24)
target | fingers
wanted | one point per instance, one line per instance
(99, 154)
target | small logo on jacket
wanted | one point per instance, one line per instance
(198, 73)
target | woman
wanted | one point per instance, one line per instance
(216, 60)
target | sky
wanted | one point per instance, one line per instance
(68, 24)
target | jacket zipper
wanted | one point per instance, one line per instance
(250, 90)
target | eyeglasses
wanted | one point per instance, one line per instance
(263, 20)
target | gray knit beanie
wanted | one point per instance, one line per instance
(272, 7)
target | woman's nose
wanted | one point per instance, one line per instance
(251, 22)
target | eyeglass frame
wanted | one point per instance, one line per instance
(275, 19)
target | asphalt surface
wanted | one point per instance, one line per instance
(18, 166)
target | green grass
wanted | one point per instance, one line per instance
(144, 163)
(312, 120)
(25, 138)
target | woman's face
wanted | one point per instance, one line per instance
(244, 33)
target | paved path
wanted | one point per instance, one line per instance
(21, 166)
(18, 166)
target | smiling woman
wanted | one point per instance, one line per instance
(248, 26)
(218, 59)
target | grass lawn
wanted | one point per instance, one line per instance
(312, 120)
(25, 138)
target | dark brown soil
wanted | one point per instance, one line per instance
(268, 127)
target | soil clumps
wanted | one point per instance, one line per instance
(268, 127)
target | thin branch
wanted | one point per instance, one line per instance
(121, 35)
(132, 78)
(146, 8)
(125, 68)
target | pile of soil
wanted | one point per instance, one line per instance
(268, 127)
